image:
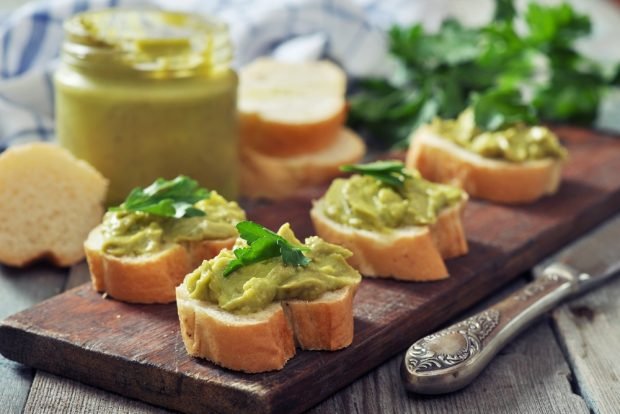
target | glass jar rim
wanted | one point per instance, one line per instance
(149, 42)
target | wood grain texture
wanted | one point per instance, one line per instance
(589, 330)
(528, 376)
(85, 333)
(20, 289)
(536, 355)
(51, 394)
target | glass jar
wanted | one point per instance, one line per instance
(148, 94)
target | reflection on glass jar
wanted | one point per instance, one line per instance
(148, 94)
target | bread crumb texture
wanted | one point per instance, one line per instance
(49, 201)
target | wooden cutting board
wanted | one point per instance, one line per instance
(137, 351)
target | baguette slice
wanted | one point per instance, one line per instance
(441, 160)
(277, 178)
(413, 253)
(325, 323)
(265, 340)
(258, 342)
(288, 109)
(50, 201)
(148, 278)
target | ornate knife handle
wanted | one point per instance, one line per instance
(451, 358)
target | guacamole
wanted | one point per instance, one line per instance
(517, 143)
(364, 202)
(253, 287)
(127, 233)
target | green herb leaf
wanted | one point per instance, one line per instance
(504, 10)
(439, 74)
(498, 109)
(392, 173)
(167, 198)
(264, 244)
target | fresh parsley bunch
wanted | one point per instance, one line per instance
(264, 244)
(167, 198)
(490, 67)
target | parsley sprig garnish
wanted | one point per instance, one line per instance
(167, 198)
(264, 244)
(439, 74)
(392, 173)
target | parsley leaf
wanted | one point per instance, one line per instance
(167, 198)
(498, 109)
(504, 10)
(264, 244)
(440, 74)
(392, 173)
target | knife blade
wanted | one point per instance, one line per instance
(450, 359)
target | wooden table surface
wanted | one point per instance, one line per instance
(566, 363)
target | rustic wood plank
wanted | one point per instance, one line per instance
(589, 330)
(52, 394)
(528, 376)
(20, 289)
(154, 367)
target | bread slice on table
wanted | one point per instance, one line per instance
(412, 253)
(50, 201)
(265, 340)
(280, 177)
(287, 109)
(150, 277)
(443, 161)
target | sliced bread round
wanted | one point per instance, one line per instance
(276, 178)
(50, 201)
(443, 161)
(265, 340)
(147, 278)
(413, 253)
(289, 109)
(258, 342)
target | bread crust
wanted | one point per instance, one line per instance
(250, 343)
(277, 178)
(288, 109)
(440, 160)
(281, 139)
(413, 253)
(265, 340)
(148, 278)
(325, 323)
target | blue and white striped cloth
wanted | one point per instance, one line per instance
(350, 32)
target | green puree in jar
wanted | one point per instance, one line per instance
(364, 202)
(147, 94)
(132, 233)
(253, 287)
(517, 143)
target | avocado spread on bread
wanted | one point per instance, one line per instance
(371, 203)
(517, 143)
(132, 233)
(254, 286)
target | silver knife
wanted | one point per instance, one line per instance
(451, 358)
